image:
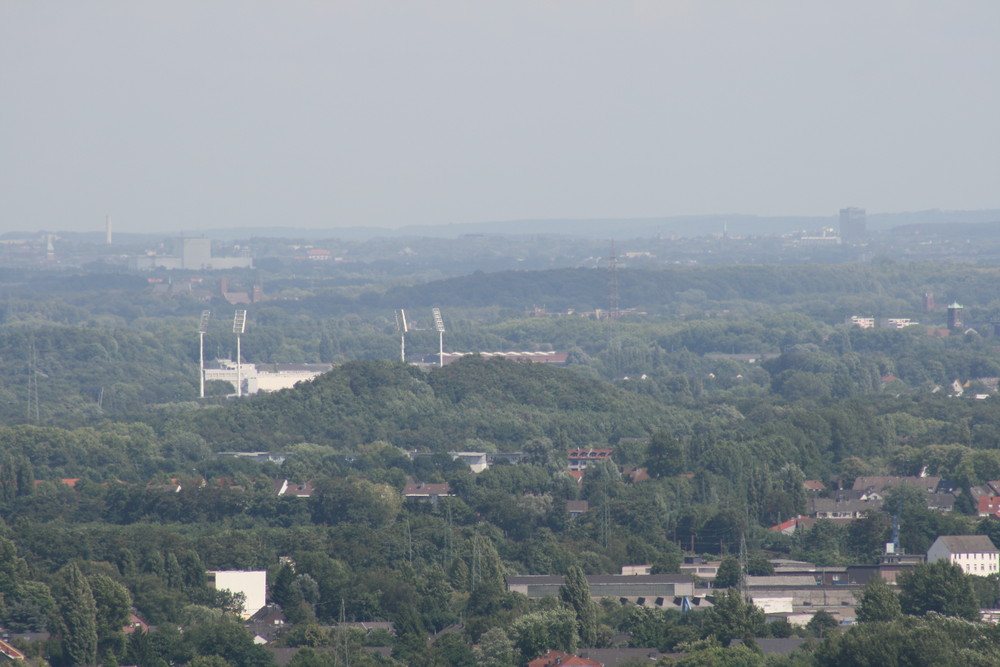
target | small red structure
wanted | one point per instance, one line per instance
(560, 659)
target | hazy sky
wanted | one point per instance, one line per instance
(180, 114)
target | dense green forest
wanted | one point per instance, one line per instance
(733, 386)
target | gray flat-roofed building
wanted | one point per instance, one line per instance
(607, 585)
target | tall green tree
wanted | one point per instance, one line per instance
(31, 607)
(791, 479)
(666, 455)
(535, 633)
(822, 624)
(576, 593)
(941, 587)
(926, 641)
(879, 603)
(759, 566)
(229, 640)
(866, 537)
(113, 604)
(732, 617)
(495, 649)
(485, 577)
(78, 616)
(729, 573)
(13, 568)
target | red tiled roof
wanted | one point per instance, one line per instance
(988, 505)
(554, 658)
(11, 652)
(785, 525)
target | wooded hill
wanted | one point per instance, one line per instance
(495, 401)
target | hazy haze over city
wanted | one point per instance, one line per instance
(184, 115)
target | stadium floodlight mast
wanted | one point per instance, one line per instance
(402, 328)
(239, 326)
(439, 325)
(206, 315)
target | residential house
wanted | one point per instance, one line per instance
(986, 489)
(975, 554)
(787, 527)
(611, 657)
(813, 486)
(12, 653)
(580, 458)
(988, 505)
(282, 487)
(135, 624)
(554, 658)
(423, 491)
(576, 507)
(267, 623)
(880, 485)
(841, 508)
(941, 502)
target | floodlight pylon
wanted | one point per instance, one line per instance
(206, 315)
(239, 326)
(439, 325)
(402, 327)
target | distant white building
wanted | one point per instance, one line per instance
(975, 554)
(882, 323)
(190, 254)
(252, 583)
(774, 605)
(259, 457)
(862, 322)
(264, 377)
(475, 460)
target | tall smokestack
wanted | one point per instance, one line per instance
(107, 230)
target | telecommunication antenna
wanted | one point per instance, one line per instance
(402, 328)
(439, 325)
(239, 326)
(206, 315)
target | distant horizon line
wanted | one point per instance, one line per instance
(356, 229)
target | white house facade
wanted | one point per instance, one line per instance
(975, 554)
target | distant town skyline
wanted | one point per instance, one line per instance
(184, 116)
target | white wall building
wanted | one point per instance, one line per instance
(475, 460)
(975, 554)
(265, 377)
(252, 583)
(191, 254)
